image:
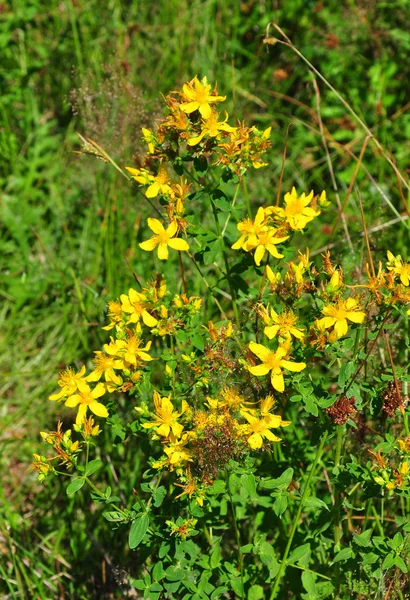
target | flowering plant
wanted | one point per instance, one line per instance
(216, 375)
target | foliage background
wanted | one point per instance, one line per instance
(98, 68)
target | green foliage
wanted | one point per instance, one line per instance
(69, 237)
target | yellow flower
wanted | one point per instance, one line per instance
(266, 241)
(87, 399)
(396, 264)
(297, 212)
(165, 419)
(190, 488)
(149, 139)
(163, 238)
(198, 94)
(404, 468)
(177, 452)
(158, 184)
(129, 350)
(105, 365)
(261, 428)
(211, 126)
(114, 313)
(135, 304)
(250, 231)
(338, 314)
(273, 362)
(283, 325)
(70, 382)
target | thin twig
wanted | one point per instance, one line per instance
(330, 166)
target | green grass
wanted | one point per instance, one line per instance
(66, 220)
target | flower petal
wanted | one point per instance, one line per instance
(163, 251)
(259, 370)
(293, 366)
(98, 409)
(260, 351)
(155, 226)
(277, 381)
(149, 245)
(178, 244)
(148, 319)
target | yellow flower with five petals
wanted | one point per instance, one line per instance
(163, 238)
(87, 399)
(199, 97)
(338, 314)
(273, 362)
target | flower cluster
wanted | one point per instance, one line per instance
(272, 224)
(198, 443)
(192, 131)
(392, 470)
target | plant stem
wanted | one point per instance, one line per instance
(228, 274)
(305, 495)
(337, 528)
(238, 539)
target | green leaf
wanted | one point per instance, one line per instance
(344, 555)
(313, 502)
(93, 466)
(281, 482)
(267, 554)
(217, 593)
(388, 561)
(113, 516)
(216, 557)
(201, 165)
(369, 558)
(198, 341)
(137, 531)
(139, 584)
(159, 495)
(164, 549)
(280, 504)
(158, 571)
(74, 486)
(236, 586)
(215, 251)
(249, 484)
(363, 539)
(256, 592)
(298, 553)
(309, 584)
(399, 562)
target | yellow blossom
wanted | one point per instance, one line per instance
(70, 382)
(296, 212)
(267, 240)
(338, 314)
(177, 451)
(260, 428)
(149, 139)
(87, 399)
(396, 264)
(199, 97)
(129, 350)
(250, 230)
(105, 365)
(114, 313)
(165, 418)
(274, 362)
(163, 238)
(135, 305)
(283, 325)
(211, 127)
(157, 184)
